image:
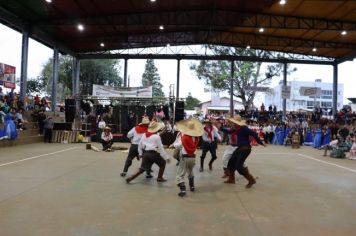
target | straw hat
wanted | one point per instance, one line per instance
(155, 126)
(145, 120)
(191, 127)
(107, 128)
(207, 121)
(237, 120)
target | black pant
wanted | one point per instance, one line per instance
(209, 147)
(149, 158)
(238, 159)
(106, 144)
(48, 135)
(133, 152)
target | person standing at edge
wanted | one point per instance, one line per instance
(187, 142)
(135, 135)
(209, 144)
(239, 156)
(151, 150)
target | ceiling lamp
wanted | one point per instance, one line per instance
(49, 1)
(80, 27)
(102, 44)
(282, 2)
(152, 0)
(344, 32)
(161, 27)
(261, 30)
(248, 47)
(314, 49)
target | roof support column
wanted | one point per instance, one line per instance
(125, 73)
(284, 84)
(24, 66)
(76, 94)
(54, 78)
(335, 92)
(232, 89)
(178, 78)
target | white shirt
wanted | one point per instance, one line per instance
(153, 143)
(134, 136)
(106, 137)
(215, 134)
(101, 124)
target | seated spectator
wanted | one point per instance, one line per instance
(107, 139)
(353, 150)
(20, 120)
(48, 127)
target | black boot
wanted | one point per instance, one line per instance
(182, 188)
(191, 184)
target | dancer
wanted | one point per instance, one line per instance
(187, 142)
(135, 135)
(151, 150)
(209, 143)
(232, 131)
(237, 161)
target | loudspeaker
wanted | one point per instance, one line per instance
(62, 126)
(179, 112)
(69, 110)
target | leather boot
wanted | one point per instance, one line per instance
(182, 188)
(191, 184)
(132, 177)
(226, 173)
(201, 164)
(160, 174)
(231, 179)
(250, 178)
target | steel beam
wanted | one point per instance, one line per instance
(24, 66)
(203, 57)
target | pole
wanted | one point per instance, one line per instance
(24, 66)
(54, 78)
(284, 84)
(335, 88)
(125, 73)
(232, 89)
(178, 78)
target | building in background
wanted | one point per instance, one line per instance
(219, 104)
(323, 99)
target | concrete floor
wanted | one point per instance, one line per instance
(67, 190)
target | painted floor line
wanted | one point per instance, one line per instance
(326, 162)
(31, 158)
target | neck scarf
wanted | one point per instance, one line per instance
(149, 134)
(233, 134)
(141, 129)
(209, 130)
(190, 144)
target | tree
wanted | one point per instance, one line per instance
(102, 72)
(217, 73)
(150, 77)
(191, 102)
(34, 86)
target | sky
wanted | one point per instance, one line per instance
(10, 53)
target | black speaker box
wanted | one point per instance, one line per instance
(179, 112)
(62, 126)
(69, 110)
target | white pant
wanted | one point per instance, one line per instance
(227, 155)
(186, 166)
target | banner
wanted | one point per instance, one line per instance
(285, 93)
(7, 76)
(256, 89)
(106, 91)
(310, 91)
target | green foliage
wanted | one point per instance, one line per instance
(102, 72)
(216, 74)
(151, 77)
(191, 102)
(34, 86)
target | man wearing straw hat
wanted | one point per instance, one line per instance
(187, 142)
(135, 135)
(152, 151)
(106, 139)
(209, 144)
(243, 150)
